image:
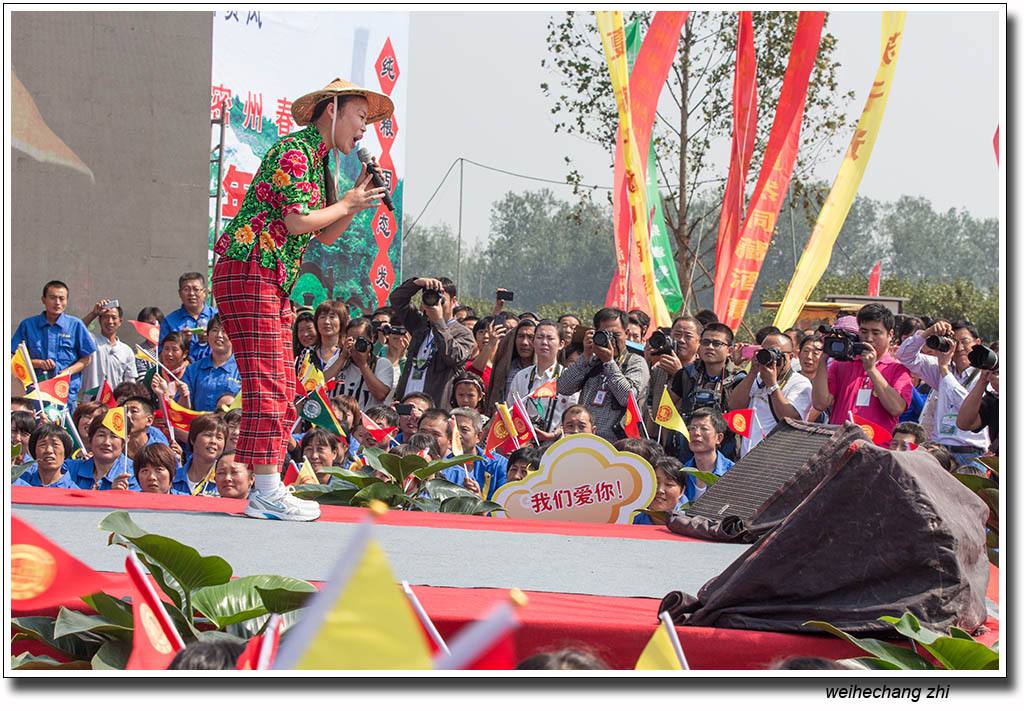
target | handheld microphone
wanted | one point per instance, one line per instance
(378, 180)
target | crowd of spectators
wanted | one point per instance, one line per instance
(436, 370)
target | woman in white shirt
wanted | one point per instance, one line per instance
(545, 412)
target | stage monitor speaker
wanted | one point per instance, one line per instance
(768, 483)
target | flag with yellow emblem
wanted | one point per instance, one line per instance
(668, 416)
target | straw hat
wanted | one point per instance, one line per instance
(381, 105)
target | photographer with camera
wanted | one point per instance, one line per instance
(980, 409)
(666, 354)
(606, 373)
(772, 389)
(950, 375)
(858, 373)
(363, 376)
(440, 345)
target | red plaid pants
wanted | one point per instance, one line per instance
(257, 317)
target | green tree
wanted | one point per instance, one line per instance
(430, 250)
(696, 108)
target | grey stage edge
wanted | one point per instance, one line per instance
(616, 567)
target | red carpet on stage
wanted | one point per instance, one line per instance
(615, 628)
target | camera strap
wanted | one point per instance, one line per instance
(781, 384)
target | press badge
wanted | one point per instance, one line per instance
(599, 397)
(863, 397)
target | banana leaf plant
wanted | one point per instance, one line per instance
(205, 603)
(955, 650)
(409, 483)
(988, 491)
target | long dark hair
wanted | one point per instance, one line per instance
(329, 195)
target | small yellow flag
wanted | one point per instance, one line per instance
(312, 378)
(668, 416)
(457, 448)
(21, 367)
(658, 654)
(306, 474)
(370, 626)
(143, 354)
(235, 404)
(115, 421)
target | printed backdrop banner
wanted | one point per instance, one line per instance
(254, 89)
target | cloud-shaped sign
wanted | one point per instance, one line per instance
(581, 478)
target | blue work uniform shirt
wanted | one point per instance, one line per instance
(692, 492)
(83, 474)
(497, 467)
(64, 341)
(207, 382)
(182, 485)
(30, 477)
(180, 320)
(156, 436)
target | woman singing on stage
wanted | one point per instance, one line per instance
(291, 200)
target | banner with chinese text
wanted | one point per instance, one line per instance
(254, 86)
(818, 251)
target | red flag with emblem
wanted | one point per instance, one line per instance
(521, 421)
(633, 418)
(149, 331)
(875, 432)
(58, 388)
(378, 433)
(739, 421)
(106, 395)
(548, 389)
(180, 417)
(44, 575)
(155, 639)
(498, 436)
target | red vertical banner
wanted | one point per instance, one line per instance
(744, 128)
(875, 280)
(995, 144)
(382, 272)
(648, 76)
(736, 276)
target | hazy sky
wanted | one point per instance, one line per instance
(474, 92)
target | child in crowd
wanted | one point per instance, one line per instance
(206, 437)
(49, 447)
(233, 480)
(577, 419)
(155, 465)
(707, 431)
(468, 391)
(409, 417)
(107, 469)
(907, 435)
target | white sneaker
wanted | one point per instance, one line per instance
(279, 505)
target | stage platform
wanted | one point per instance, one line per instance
(592, 584)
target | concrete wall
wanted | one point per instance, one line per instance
(129, 93)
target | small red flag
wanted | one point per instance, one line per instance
(106, 395)
(180, 417)
(378, 433)
(43, 575)
(875, 432)
(58, 388)
(487, 643)
(149, 331)
(524, 427)
(155, 639)
(875, 279)
(739, 421)
(548, 389)
(499, 438)
(259, 653)
(633, 417)
(291, 474)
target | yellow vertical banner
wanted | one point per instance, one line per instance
(818, 251)
(613, 38)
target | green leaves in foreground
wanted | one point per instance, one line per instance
(956, 650)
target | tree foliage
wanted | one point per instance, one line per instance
(695, 110)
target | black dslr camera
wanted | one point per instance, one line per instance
(939, 343)
(661, 343)
(841, 344)
(983, 358)
(604, 339)
(430, 297)
(387, 329)
(362, 345)
(767, 356)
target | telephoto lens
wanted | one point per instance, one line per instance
(602, 339)
(938, 343)
(983, 358)
(431, 297)
(767, 356)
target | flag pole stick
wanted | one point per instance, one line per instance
(31, 371)
(167, 418)
(69, 423)
(670, 628)
(425, 620)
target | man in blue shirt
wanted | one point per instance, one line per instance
(194, 313)
(215, 374)
(707, 429)
(57, 342)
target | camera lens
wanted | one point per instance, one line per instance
(983, 358)
(601, 339)
(431, 297)
(938, 343)
(362, 345)
(767, 356)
